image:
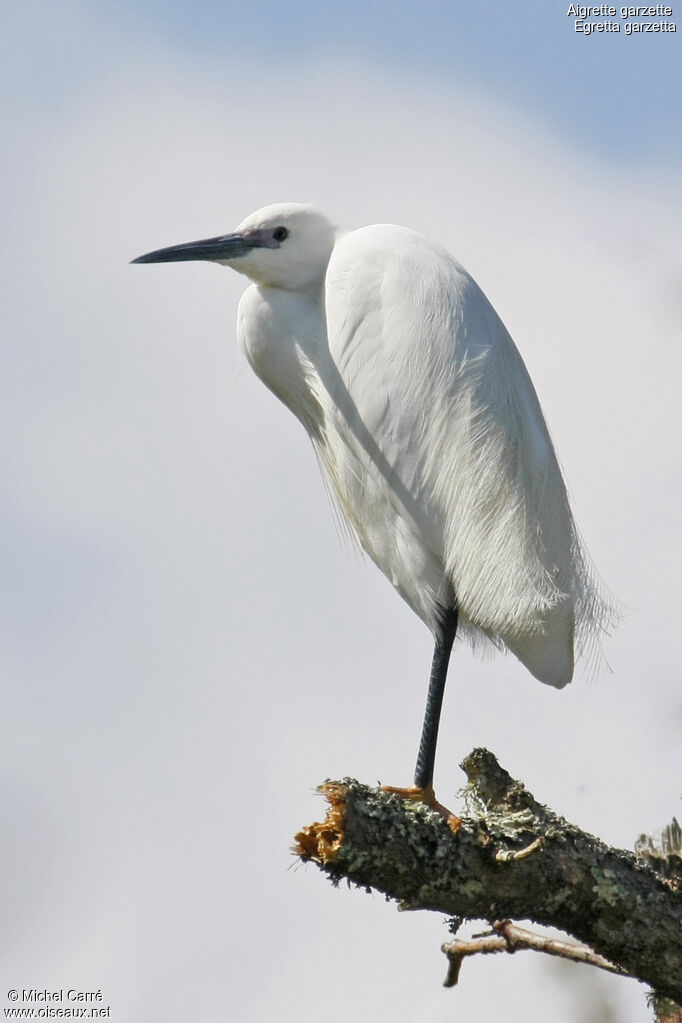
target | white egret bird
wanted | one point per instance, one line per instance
(427, 429)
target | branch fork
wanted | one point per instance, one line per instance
(507, 936)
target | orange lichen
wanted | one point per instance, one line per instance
(322, 840)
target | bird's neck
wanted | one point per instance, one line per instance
(283, 336)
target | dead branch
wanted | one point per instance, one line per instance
(607, 899)
(509, 937)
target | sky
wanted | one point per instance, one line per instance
(187, 647)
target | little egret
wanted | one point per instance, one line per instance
(428, 433)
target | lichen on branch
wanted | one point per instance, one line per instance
(512, 859)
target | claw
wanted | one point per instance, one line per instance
(428, 797)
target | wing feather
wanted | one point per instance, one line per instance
(435, 417)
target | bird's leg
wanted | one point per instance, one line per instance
(422, 789)
(445, 637)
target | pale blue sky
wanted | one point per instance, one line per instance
(612, 93)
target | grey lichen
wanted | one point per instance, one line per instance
(514, 858)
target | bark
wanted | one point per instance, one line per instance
(513, 859)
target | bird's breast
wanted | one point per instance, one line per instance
(280, 333)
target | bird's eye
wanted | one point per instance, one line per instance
(280, 233)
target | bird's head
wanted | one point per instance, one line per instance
(286, 245)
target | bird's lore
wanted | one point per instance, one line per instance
(427, 429)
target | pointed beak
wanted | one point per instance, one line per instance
(225, 246)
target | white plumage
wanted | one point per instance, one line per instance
(426, 426)
(427, 429)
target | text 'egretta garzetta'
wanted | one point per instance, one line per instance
(427, 429)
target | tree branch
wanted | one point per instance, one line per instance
(565, 878)
(509, 937)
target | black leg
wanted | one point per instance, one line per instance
(423, 774)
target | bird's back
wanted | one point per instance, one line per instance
(439, 456)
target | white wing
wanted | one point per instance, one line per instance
(439, 455)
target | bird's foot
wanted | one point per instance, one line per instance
(428, 797)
